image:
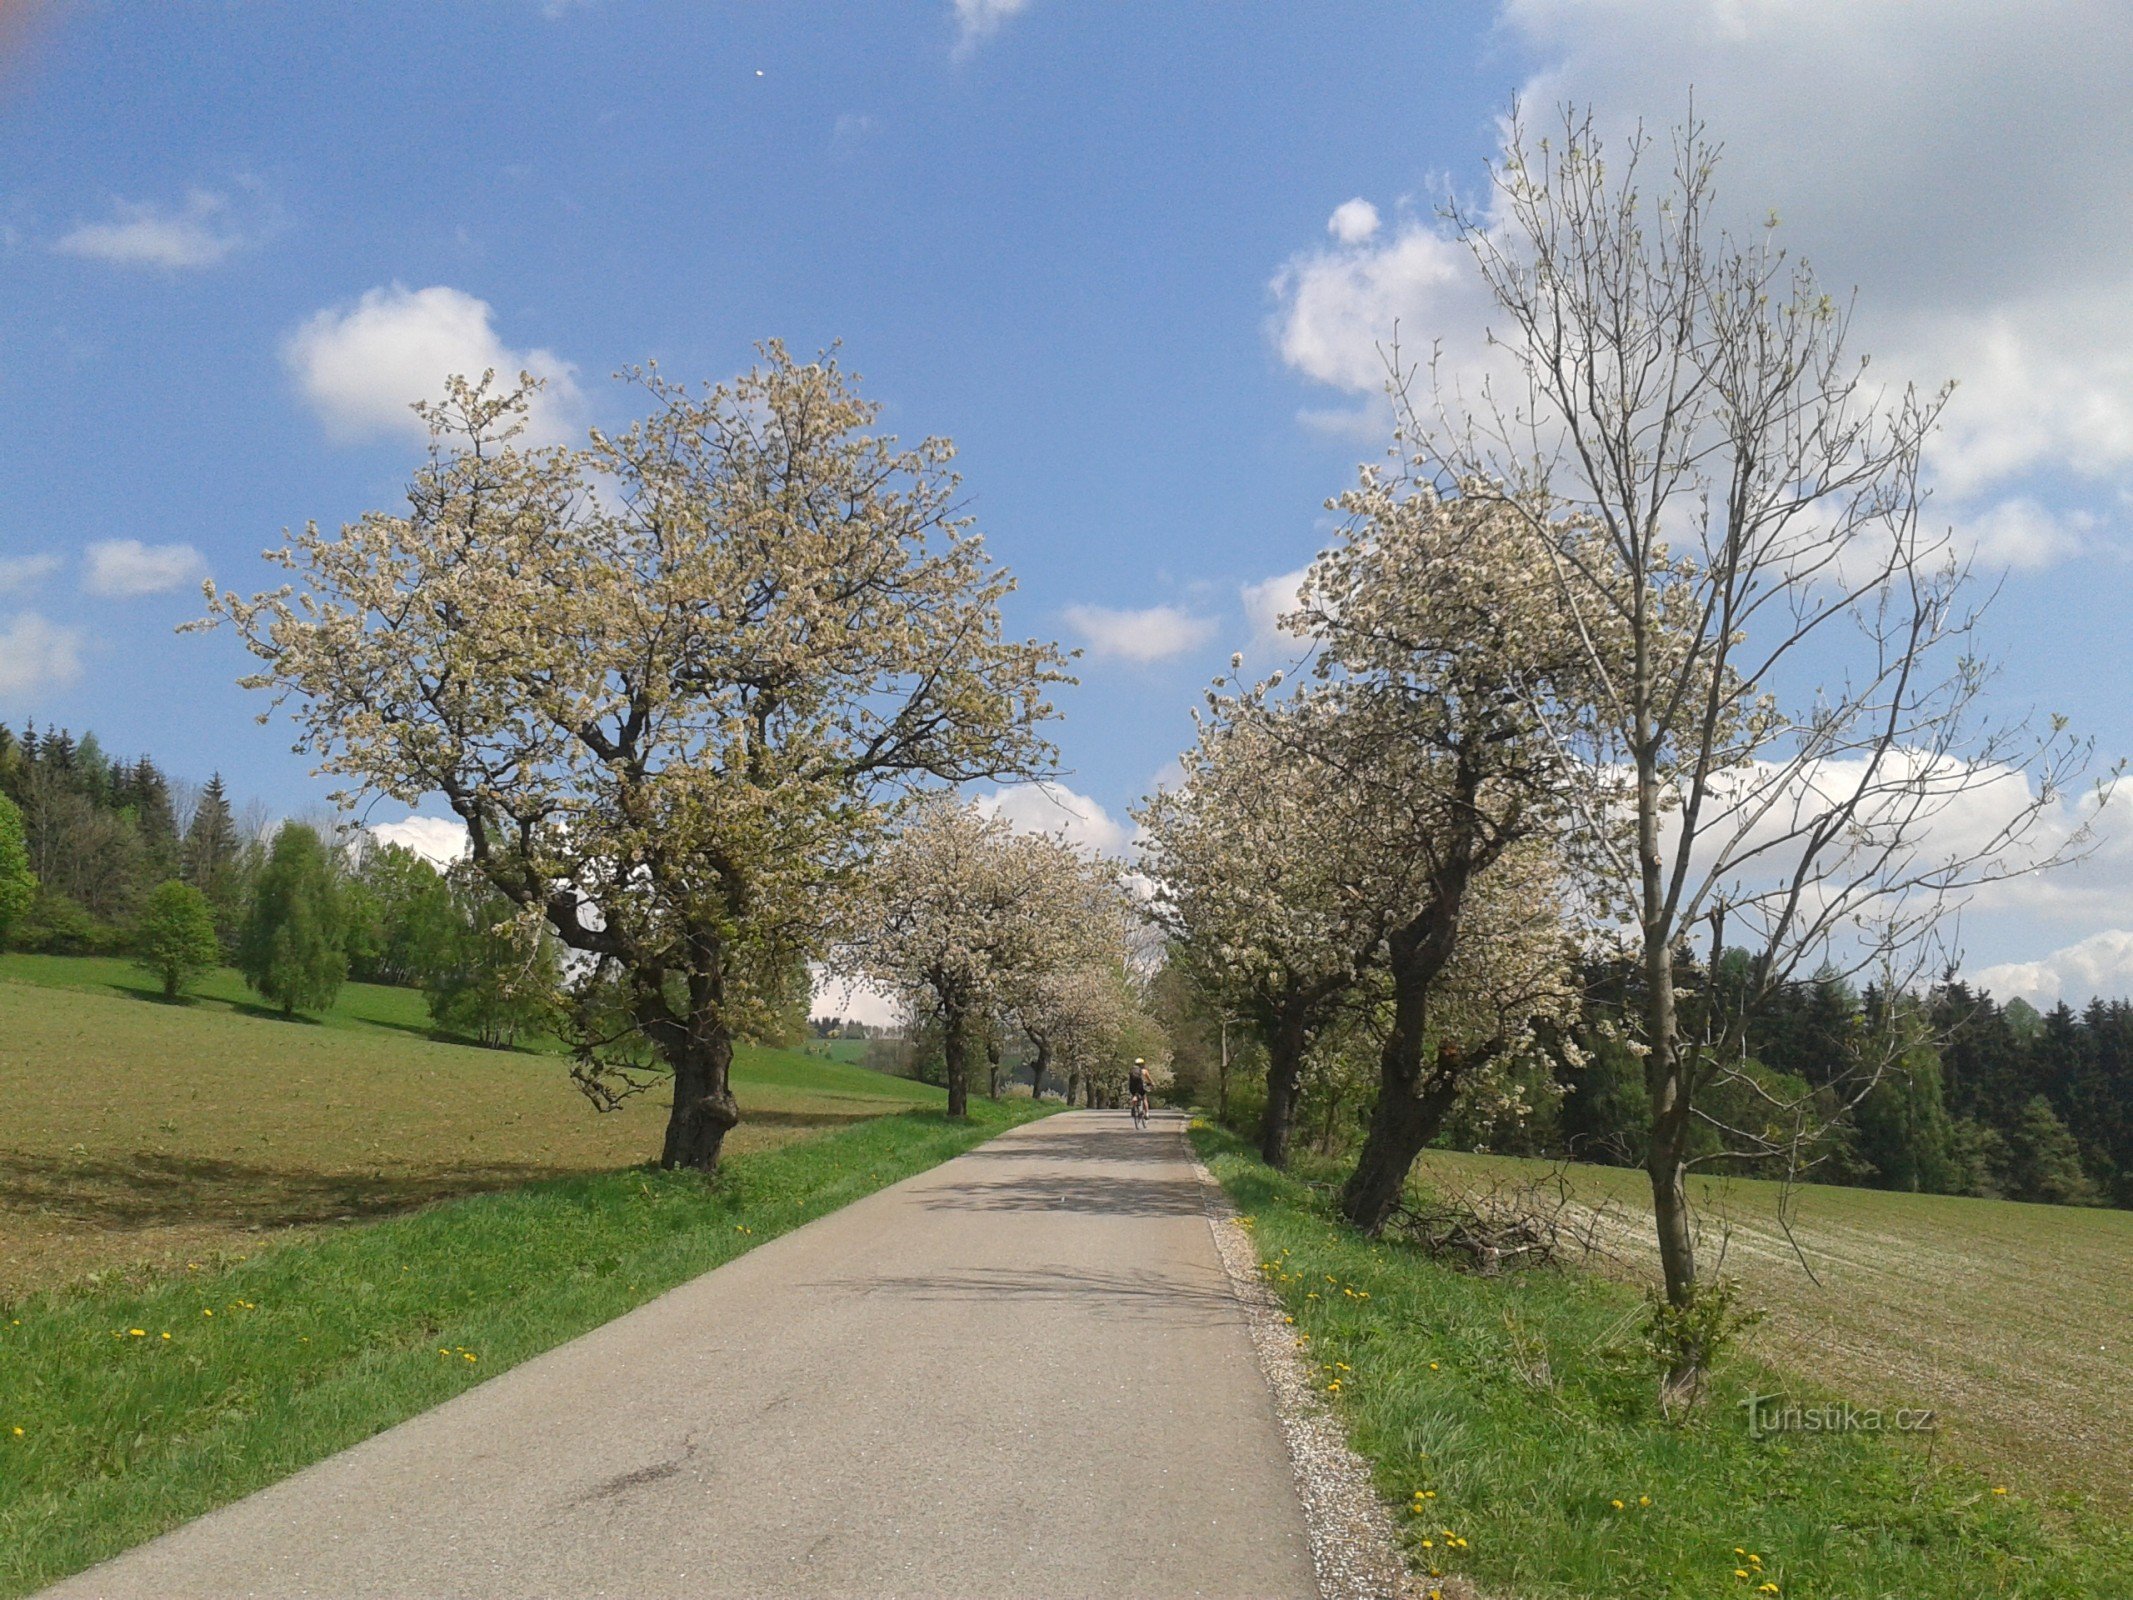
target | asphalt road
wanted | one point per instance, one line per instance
(1020, 1373)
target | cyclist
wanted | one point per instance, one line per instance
(1137, 1089)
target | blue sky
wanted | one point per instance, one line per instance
(1094, 244)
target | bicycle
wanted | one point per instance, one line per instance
(1139, 1106)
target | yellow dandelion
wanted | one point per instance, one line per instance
(138, 1333)
(1999, 1491)
(1616, 1504)
(1644, 1499)
(1740, 1572)
(17, 1432)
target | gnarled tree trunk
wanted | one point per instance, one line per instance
(704, 1109)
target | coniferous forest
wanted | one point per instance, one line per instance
(119, 858)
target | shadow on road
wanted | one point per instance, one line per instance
(1122, 1143)
(1203, 1297)
(1095, 1195)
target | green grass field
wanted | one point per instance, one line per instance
(2009, 1321)
(127, 1408)
(1514, 1422)
(143, 1135)
(849, 1051)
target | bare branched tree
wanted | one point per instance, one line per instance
(1790, 755)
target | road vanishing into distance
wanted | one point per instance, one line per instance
(1023, 1372)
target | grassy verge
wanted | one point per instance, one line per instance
(124, 1412)
(1514, 1418)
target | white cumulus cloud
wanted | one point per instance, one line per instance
(36, 654)
(1152, 634)
(1053, 808)
(1342, 307)
(363, 366)
(1267, 601)
(2022, 535)
(18, 574)
(438, 840)
(2099, 966)
(123, 568)
(1353, 221)
(199, 233)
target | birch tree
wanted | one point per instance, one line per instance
(1730, 507)
(675, 710)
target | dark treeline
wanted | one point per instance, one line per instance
(1949, 1094)
(102, 833)
(296, 908)
(1953, 1093)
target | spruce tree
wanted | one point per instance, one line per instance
(291, 947)
(208, 858)
(2044, 1161)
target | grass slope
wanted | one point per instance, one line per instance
(1514, 1421)
(143, 1133)
(2007, 1320)
(126, 1411)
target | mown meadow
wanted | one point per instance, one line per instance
(2008, 1321)
(145, 1134)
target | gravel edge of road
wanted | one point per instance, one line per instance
(1353, 1545)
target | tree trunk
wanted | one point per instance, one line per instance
(1664, 1069)
(704, 1108)
(1284, 1072)
(1408, 1115)
(960, 1043)
(992, 1061)
(1325, 1132)
(1036, 1070)
(1673, 1120)
(1411, 1107)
